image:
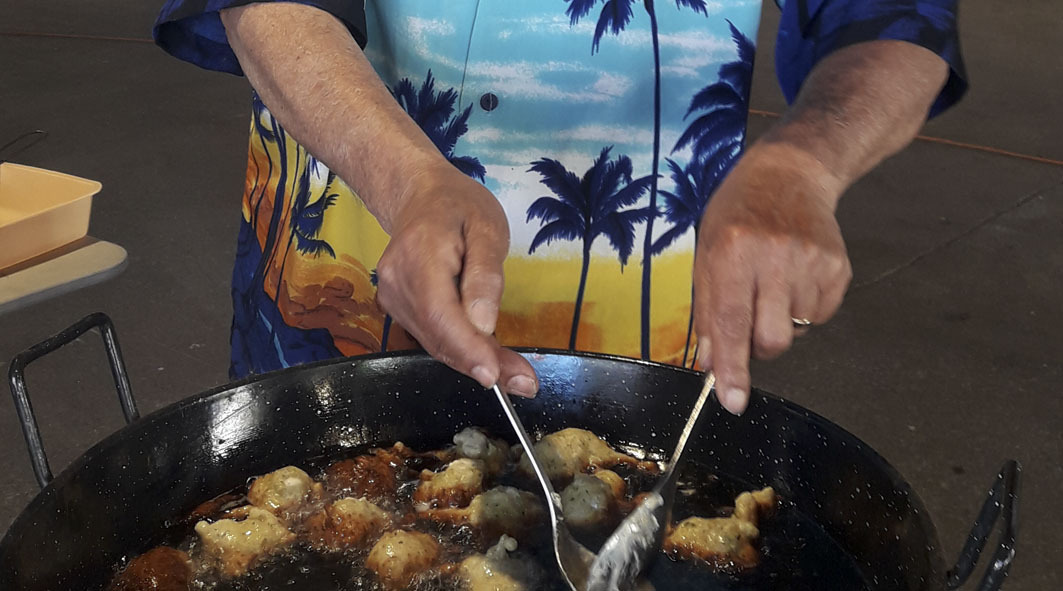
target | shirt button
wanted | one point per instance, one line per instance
(489, 101)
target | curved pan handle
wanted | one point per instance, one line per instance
(1003, 500)
(17, 377)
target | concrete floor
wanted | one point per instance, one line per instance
(946, 356)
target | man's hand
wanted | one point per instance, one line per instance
(769, 250)
(441, 276)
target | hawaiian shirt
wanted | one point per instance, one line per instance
(602, 128)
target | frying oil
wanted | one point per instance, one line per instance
(796, 554)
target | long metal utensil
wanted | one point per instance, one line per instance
(573, 558)
(635, 543)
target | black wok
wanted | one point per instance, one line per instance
(120, 497)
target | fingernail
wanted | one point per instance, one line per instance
(486, 377)
(734, 400)
(522, 386)
(483, 316)
(704, 353)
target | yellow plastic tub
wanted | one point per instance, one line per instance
(41, 210)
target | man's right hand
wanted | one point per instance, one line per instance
(441, 276)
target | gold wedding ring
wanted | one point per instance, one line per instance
(801, 322)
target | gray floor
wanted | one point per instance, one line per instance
(946, 357)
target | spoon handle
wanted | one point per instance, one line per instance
(527, 444)
(668, 482)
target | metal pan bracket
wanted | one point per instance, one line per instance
(17, 378)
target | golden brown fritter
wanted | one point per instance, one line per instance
(373, 476)
(725, 542)
(501, 510)
(721, 541)
(455, 486)
(401, 555)
(751, 506)
(236, 545)
(573, 451)
(158, 569)
(345, 524)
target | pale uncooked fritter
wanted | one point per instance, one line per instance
(496, 570)
(592, 500)
(474, 444)
(281, 490)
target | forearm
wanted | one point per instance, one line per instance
(859, 106)
(310, 72)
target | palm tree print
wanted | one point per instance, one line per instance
(717, 138)
(586, 208)
(434, 114)
(615, 16)
(307, 218)
(683, 207)
(716, 135)
(308, 222)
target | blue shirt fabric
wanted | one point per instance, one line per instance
(552, 106)
(809, 30)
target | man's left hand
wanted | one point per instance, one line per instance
(769, 251)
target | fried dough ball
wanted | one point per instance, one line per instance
(281, 490)
(237, 545)
(752, 505)
(593, 501)
(455, 486)
(725, 542)
(346, 523)
(372, 476)
(400, 555)
(501, 510)
(572, 451)
(722, 541)
(496, 570)
(158, 569)
(474, 444)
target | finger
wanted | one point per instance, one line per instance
(702, 306)
(432, 313)
(481, 277)
(832, 289)
(703, 352)
(517, 376)
(773, 331)
(804, 303)
(731, 330)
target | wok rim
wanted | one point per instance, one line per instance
(67, 474)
